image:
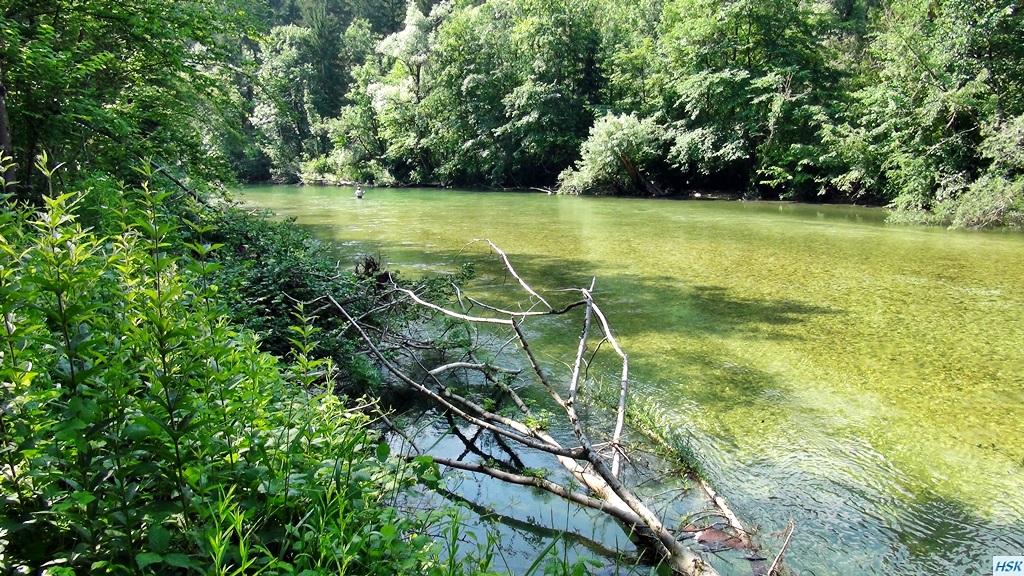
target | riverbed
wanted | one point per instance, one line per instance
(863, 379)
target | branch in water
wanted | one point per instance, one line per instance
(607, 492)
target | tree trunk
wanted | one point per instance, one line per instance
(7, 167)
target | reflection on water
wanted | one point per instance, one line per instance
(866, 380)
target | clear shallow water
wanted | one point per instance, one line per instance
(865, 380)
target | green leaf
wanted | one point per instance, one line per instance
(178, 560)
(383, 451)
(159, 538)
(83, 498)
(137, 431)
(146, 558)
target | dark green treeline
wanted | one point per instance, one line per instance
(914, 103)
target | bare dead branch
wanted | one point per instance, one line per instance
(727, 513)
(586, 464)
(580, 351)
(415, 298)
(512, 271)
(624, 516)
(778, 558)
(534, 528)
(607, 484)
(391, 426)
(442, 399)
(522, 314)
(620, 416)
(525, 344)
(485, 368)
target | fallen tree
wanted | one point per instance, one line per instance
(595, 466)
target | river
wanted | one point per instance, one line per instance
(864, 379)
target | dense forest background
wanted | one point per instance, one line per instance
(914, 103)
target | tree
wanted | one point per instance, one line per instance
(628, 56)
(996, 197)
(744, 84)
(514, 82)
(548, 111)
(284, 109)
(617, 157)
(355, 144)
(939, 100)
(398, 95)
(8, 172)
(329, 79)
(86, 80)
(474, 67)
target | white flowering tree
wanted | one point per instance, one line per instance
(616, 156)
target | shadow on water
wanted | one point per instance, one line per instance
(702, 308)
(717, 310)
(815, 447)
(677, 307)
(658, 308)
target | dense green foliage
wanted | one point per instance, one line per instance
(93, 83)
(914, 103)
(168, 407)
(142, 433)
(175, 394)
(144, 427)
(267, 268)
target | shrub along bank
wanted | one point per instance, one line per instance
(143, 432)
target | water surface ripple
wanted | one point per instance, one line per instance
(866, 380)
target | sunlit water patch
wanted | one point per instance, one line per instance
(866, 380)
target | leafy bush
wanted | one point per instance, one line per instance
(997, 196)
(616, 157)
(142, 433)
(263, 268)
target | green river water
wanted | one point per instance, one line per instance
(864, 379)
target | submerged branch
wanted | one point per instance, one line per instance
(620, 514)
(778, 558)
(440, 398)
(607, 492)
(512, 271)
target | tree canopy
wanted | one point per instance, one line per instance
(902, 102)
(92, 81)
(911, 103)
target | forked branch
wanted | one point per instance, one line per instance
(600, 477)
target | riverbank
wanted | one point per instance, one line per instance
(143, 430)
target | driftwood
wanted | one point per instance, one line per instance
(605, 491)
(777, 564)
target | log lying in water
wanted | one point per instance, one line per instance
(607, 492)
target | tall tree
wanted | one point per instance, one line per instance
(514, 85)
(745, 82)
(398, 97)
(284, 110)
(475, 67)
(88, 79)
(549, 113)
(937, 102)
